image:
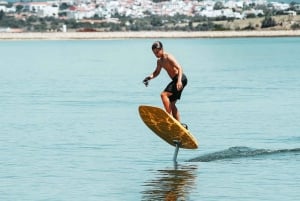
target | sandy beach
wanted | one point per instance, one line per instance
(144, 34)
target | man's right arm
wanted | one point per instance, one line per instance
(153, 75)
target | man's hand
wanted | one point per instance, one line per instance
(179, 85)
(146, 81)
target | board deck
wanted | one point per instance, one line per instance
(167, 127)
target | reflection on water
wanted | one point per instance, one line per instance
(171, 184)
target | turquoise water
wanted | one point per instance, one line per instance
(70, 128)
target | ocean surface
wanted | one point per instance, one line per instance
(70, 128)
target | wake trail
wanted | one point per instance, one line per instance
(241, 152)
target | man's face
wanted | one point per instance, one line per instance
(158, 52)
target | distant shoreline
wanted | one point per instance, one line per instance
(144, 34)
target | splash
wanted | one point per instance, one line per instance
(240, 152)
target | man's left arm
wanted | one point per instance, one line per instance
(179, 69)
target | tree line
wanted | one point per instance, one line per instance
(125, 23)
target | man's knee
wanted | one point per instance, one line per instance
(165, 94)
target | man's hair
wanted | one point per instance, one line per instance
(157, 45)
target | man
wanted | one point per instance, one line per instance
(173, 91)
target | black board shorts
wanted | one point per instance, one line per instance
(173, 89)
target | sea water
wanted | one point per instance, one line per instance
(70, 129)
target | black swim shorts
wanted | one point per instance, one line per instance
(173, 89)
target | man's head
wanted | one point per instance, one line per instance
(157, 48)
(157, 45)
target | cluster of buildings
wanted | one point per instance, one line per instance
(80, 9)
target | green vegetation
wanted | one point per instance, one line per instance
(268, 22)
(154, 22)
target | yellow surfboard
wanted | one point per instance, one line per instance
(167, 127)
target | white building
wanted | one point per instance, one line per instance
(3, 6)
(81, 12)
(48, 11)
(35, 6)
(280, 6)
(253, 12)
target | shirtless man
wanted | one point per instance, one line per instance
(173, 91)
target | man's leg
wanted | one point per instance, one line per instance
(176, 115)
(175, 111)
(166, 101)
(170, 107)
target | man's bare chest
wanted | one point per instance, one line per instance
(165, 63)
